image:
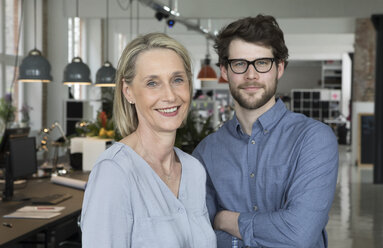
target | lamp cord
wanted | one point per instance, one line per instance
(77, 8)
(74, 24)
(131, 19)
(35, 23)
(107, 29)
(207, 48)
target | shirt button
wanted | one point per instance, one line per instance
(255, 208)
(252, 175)
(266, 131)
(253, 142)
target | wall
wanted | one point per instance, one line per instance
(300, 75)
(57, 28)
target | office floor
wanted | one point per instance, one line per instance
(356, 217)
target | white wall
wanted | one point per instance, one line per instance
(57, 28)
(300, 75)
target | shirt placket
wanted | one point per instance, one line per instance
(252, 153)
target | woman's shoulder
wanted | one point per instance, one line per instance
(189, 162)
(118, 155)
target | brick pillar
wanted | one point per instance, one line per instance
(363, 88)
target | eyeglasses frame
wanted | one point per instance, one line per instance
(250, 63)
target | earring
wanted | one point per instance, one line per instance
(131, 102)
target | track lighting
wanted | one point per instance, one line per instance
(159, 16)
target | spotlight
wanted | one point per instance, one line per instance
(171, 23)
(159, 16)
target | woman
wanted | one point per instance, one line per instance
(144, 192)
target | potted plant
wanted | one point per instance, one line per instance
(194, 130)
(7, 112)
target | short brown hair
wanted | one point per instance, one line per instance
(262, 30)
(124, 114)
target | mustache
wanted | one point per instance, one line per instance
(245, 85)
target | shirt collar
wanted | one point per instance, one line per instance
(271, 117)
(267, 120)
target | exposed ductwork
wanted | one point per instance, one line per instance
(175, 15)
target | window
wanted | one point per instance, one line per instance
(75, 45)
(10, 47)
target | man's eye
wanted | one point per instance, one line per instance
(262, 62)
(239, 63)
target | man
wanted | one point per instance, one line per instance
(271, 172)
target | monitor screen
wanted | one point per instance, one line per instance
(10, 133)
(23, 160)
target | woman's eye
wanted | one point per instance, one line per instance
(151, 84)
(178, 80)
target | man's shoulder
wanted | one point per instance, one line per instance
(215, 139)
(305, 125)
(223, 132)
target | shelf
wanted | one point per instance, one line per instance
(319, 104)
(332, 74)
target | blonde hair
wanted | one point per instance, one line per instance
(124, 113)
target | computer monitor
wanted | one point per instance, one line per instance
(10, 133)
(21, 163)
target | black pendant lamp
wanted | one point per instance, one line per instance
(34, 67)
(77, 72)
(106, 74)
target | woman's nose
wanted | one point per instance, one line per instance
(169, 94)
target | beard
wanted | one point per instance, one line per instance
(251, 101)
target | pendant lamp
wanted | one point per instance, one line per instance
(77, 72)
(106, 74)
(34, 67)
(207, 73)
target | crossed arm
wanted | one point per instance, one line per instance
(300, 221)
(227, 221)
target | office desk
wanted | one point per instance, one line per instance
(23, 229)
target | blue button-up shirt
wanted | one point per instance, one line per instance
(281, 178)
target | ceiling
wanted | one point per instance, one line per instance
(229, 9)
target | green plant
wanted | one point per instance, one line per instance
(103, 127)
(7, 110)
(194, 130)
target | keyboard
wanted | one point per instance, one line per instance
(51, 199)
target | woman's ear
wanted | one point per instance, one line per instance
(127, 91)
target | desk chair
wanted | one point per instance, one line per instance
(72, 241)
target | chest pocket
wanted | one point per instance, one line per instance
(275, 184)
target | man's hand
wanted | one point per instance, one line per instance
(227, 221)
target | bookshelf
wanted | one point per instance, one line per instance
(319, 104)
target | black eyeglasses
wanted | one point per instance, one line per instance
(240, 66)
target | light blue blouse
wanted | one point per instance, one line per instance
(126, 204)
